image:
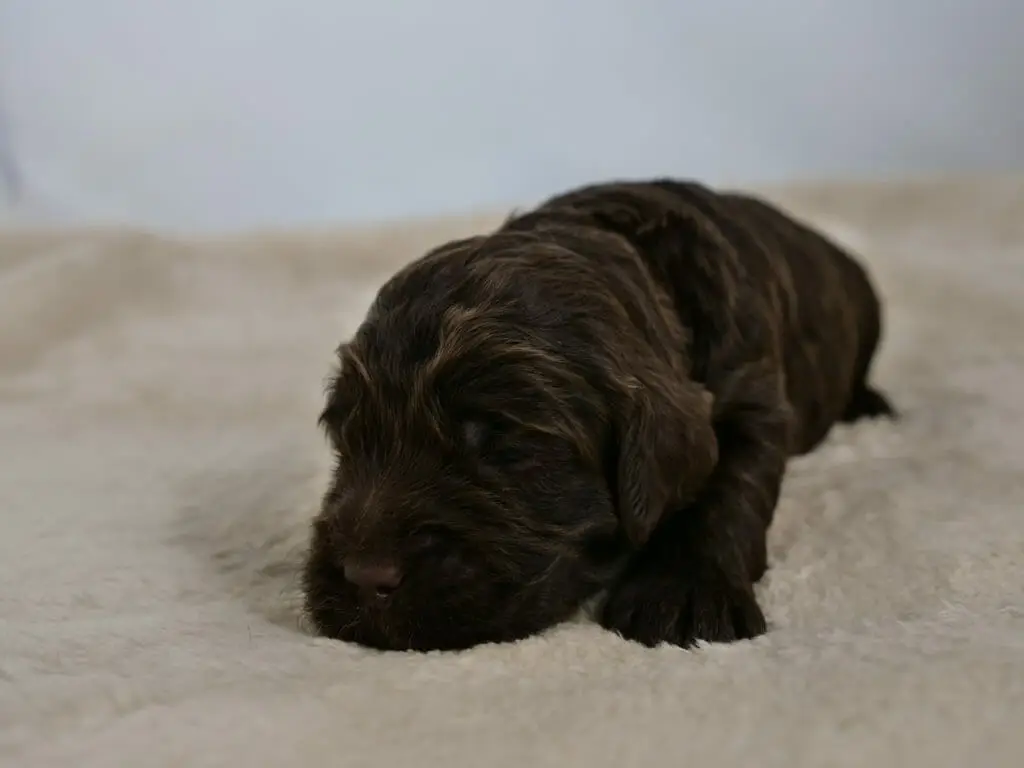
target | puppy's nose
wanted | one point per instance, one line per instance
(379, 578)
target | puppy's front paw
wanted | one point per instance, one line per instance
(655, 604)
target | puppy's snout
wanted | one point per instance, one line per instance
(377, 578)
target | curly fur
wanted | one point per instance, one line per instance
(602, 394)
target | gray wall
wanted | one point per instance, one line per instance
(201, 114)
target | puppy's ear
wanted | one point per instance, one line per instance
(667, 451)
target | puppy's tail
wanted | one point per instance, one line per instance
(868, 403)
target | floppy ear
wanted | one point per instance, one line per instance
(667, 451)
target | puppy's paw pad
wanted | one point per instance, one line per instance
(706, 604)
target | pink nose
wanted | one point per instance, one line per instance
(378, 578)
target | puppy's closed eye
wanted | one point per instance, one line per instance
(432, 538)
(494, 442)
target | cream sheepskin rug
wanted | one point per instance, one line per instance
(159, 462)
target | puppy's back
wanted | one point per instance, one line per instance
(755, 270)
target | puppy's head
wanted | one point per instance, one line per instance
(495, 461)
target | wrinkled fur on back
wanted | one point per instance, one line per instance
(601, 394)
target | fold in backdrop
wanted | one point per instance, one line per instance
(189, 114)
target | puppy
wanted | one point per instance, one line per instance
(600, 396)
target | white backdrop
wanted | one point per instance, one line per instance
(235, 113)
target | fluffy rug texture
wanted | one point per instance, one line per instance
(159, 463)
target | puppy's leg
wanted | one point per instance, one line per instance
(693, 580)
(868, 403)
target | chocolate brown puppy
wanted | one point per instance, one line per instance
(600, 396)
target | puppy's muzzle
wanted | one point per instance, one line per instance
(377, 579)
